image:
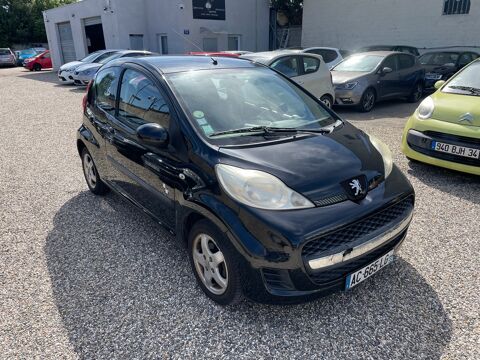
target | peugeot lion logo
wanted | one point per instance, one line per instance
(356, 186)
(466, 117)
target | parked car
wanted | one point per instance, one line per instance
(399, 48)
(445, 129)
(331, 56)
(27, 54)
(65, 72)
(441, 65)
(307, 70)
(7, 57)
(237, 52)
(84, 73)
(39, 62)
(275, 196)
(366, 78)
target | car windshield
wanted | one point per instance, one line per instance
(440, 58)
(360, 62)
(28, 52)
(5, 52)
(467, 82)
(90, 58)
(109, 58)
(239, 99)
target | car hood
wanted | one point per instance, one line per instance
(341, 77)
(439, 69)
(452, 107)
(71, 65)
(92, 66)
(314, 166)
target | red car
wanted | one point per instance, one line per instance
(217, 54)
(39, 62)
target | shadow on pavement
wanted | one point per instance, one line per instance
(50, 77)
(458, 184)
(385, 109)
(124, 289)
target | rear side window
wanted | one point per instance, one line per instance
(106, 84)
(288, 66)
(405, 61)
(327, 55)
(310, 64)
(466, 58)
(141, 102)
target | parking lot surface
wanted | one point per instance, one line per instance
(89, 277)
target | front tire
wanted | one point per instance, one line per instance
(416, 94)
(368, 100)
(215, 263)
(327, 100)
(37, 67)
(94, 182)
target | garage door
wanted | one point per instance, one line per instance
(66, 42)
(92, 21)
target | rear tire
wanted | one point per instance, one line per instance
(94, 182)
(416, 94)
(215, 263)
(368, 100)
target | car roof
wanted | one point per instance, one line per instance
(168, 64)
(381, 53)
(268, 56)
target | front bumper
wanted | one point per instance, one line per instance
(348, 97)
(65, 76)
(280, 249)
(419, 134)
(81, 79)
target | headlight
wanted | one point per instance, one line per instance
(87, 72)
(347, 86)
(259, 189)
(385, 152)
(426, 108)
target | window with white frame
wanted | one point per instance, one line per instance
(456, 7)
(233, 42)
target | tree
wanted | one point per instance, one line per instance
(21, 21)
(293, 9)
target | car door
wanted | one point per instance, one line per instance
(388, 83)
(407, 73)
(315, 76)
(144, 173)
(46, 61)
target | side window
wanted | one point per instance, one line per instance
(465, 59)
(288, 66)
(405, 61)
(390, 62)
(106, 84)
(327, 55)
(46, 56)
(310, 64)
(141, 102)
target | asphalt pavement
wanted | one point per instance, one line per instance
(93, 278)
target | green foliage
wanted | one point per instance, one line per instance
(292, 8)
(21, 21)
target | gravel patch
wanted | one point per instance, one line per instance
(89, 277)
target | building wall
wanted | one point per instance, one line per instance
(120, 18)
(351, 24)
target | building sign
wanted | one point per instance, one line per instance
(209, 9)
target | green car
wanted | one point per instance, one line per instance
(445, 129)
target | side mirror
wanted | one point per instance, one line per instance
(439, 84)
(386, 70)
(153, 135)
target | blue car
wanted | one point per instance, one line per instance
(27, 54)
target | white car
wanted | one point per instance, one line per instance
(65, 73)
(307, 70)
(331, 56)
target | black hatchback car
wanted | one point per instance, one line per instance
(275, 196)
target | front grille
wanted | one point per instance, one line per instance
(342, 270)
(351, 233)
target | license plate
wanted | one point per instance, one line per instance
(456, 150)
(363, 274)
(432, 76)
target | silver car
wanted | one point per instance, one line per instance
(7, 57)
(364, 79)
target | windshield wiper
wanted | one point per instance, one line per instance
(470, 89)
(267, 130)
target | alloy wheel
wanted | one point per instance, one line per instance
(368, 100)
(210, 264)
(89, 170)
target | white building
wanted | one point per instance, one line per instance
(350, 24)
(164, 26)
